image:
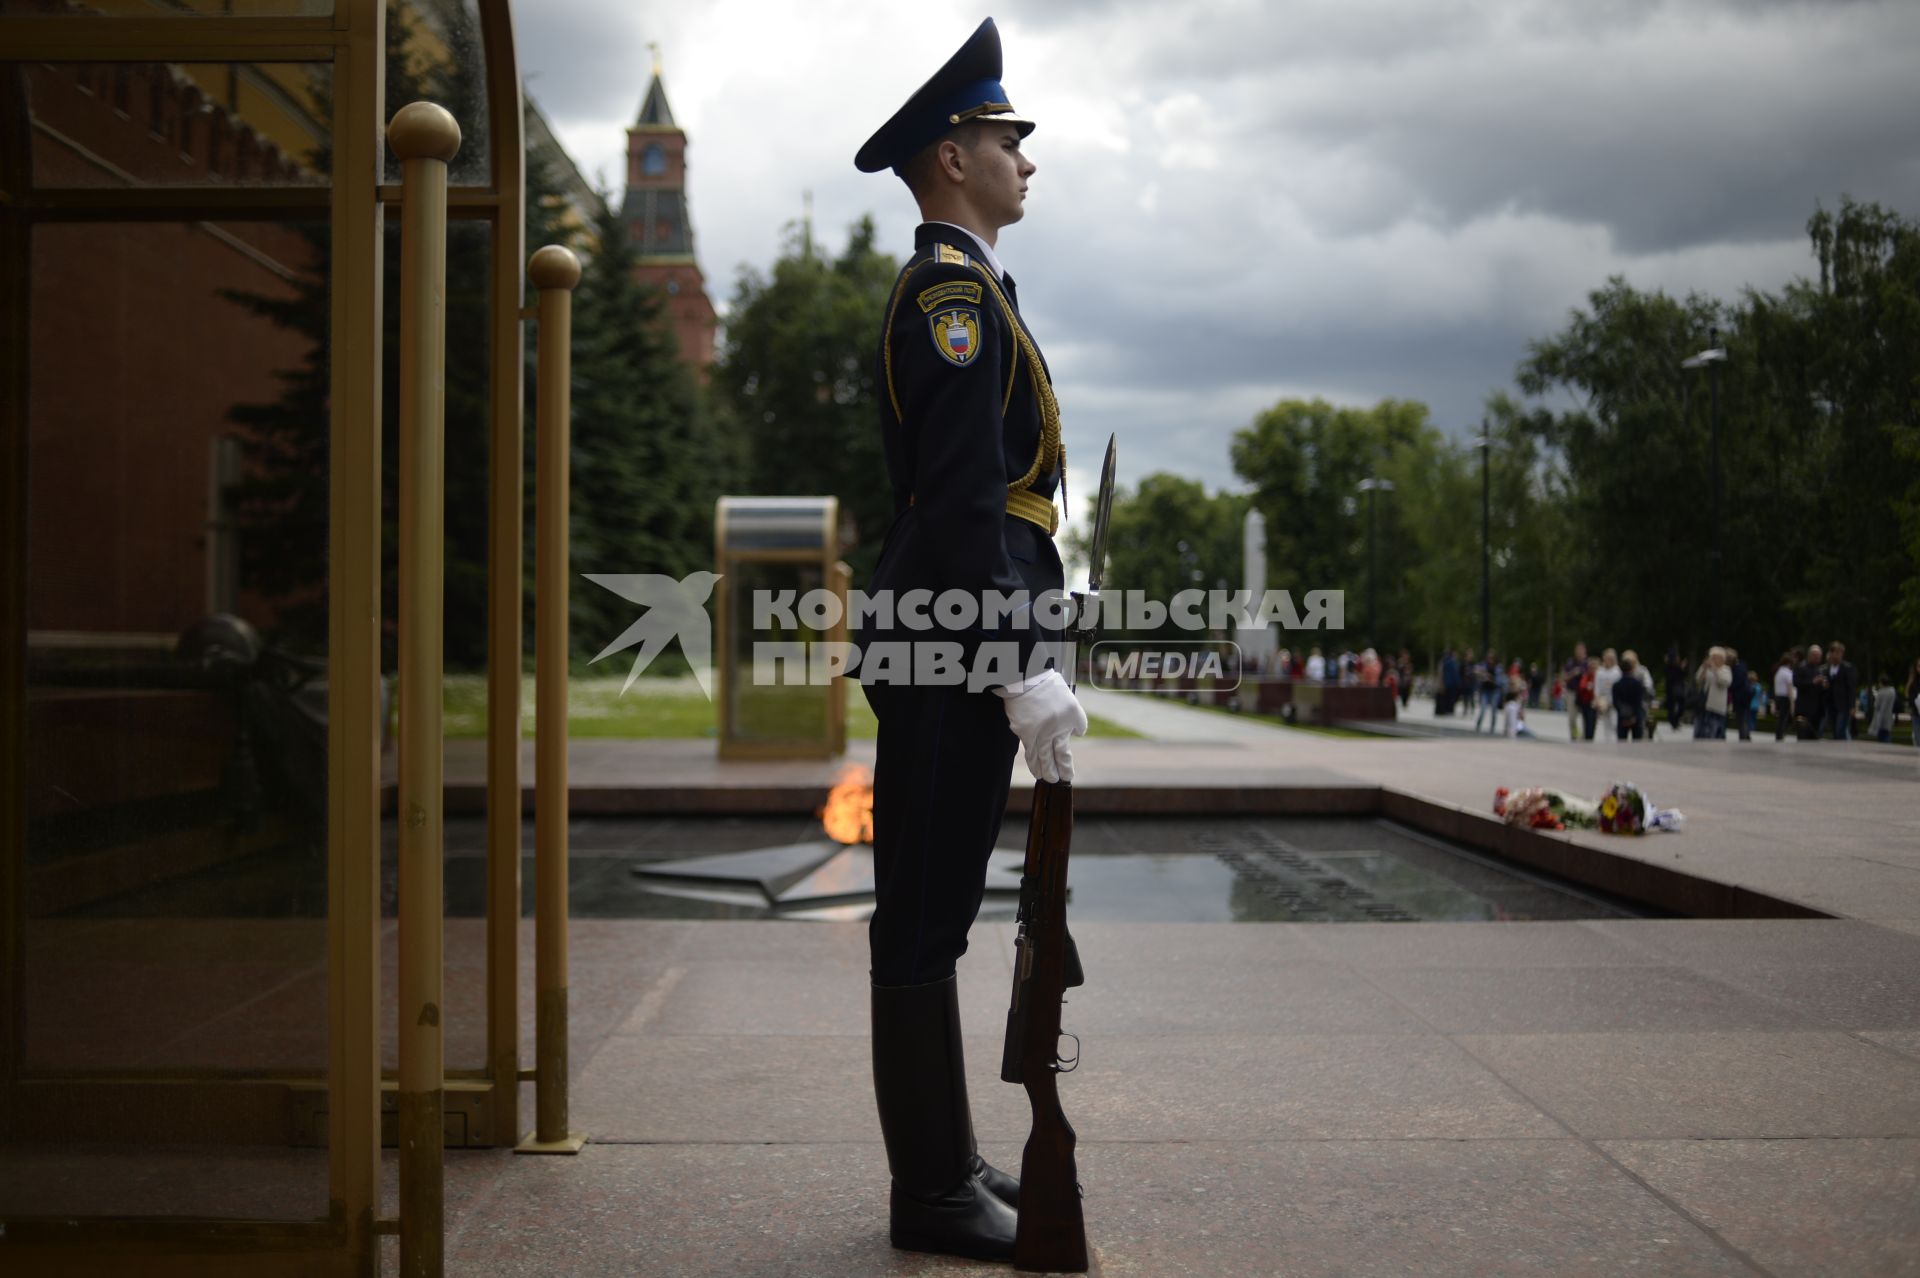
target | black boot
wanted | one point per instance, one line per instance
(1002, 1186)
(938, 1203)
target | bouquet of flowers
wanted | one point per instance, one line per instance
(1527, 808)
(1538, 808)
(1625, 810)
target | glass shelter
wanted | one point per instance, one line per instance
(198, 292)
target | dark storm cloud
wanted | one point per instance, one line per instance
(1673, 124)
(1239, 200)
(1671, 135)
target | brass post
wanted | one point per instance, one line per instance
(424, 137)
(353, 621)
(506, 541)
(554, 272)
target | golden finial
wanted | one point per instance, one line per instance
(655, 46)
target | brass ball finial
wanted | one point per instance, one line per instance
(554, 267)
(424, 131)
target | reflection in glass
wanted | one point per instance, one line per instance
(175, 885)
(176, 773)
(143, 124)
(435, 54)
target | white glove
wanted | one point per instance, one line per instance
(1046, 716)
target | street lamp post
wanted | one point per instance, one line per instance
(1370, 486)
(1714, 356)
(1484, 442)
(1486, 543)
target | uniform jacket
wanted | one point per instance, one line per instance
(960, 420)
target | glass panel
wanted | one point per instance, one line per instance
(167, 8)
(175, 882)
(468, 476)
(435, 53)
(146, 124)
(777, 703)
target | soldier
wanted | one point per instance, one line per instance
(971, 433)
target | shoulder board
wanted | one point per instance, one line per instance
(947, 255)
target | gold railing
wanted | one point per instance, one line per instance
(554, 272)
(424, 137)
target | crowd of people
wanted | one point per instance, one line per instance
(1363, 667)
(1811, 692)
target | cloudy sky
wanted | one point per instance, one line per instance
(1240, 200)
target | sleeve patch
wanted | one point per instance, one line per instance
(951, 291)
(956, 334)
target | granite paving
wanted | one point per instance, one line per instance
(1614, 1096)
(1605, 1097)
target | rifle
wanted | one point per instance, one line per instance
(1052, 1234)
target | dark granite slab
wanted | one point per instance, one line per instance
(1830, 1206)
(1518, 1000)
(1706, 1085)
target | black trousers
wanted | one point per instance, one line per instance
(1782, 714)
(942, 765)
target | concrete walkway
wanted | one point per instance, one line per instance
(1651, 1097)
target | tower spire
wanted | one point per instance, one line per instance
(657, 224)
(654, 111)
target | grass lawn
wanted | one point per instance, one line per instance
(654, 708)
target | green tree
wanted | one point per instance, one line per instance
(1170, 535)
(1820, 408)
(648, 460)
(1635, 452)
(282, 503)
(1865, 310)
(279, 505)
(1304, 460)
(797, 373)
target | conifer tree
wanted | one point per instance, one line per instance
(281, 504)
(649, 459)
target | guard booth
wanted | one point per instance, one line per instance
(774, 698)
(202, 276)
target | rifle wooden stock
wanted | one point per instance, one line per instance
(1052, 1234)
